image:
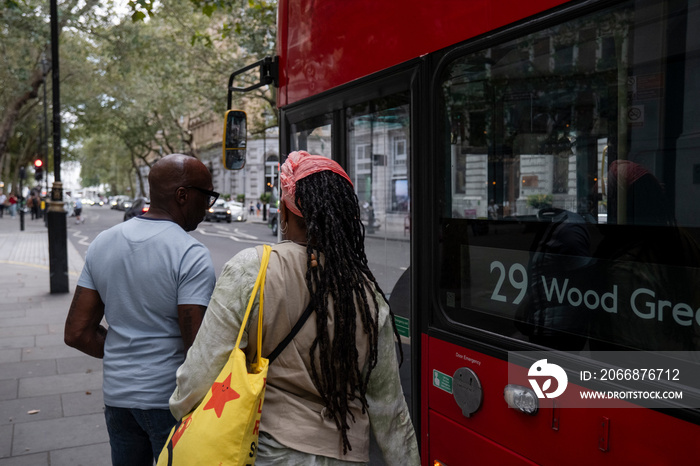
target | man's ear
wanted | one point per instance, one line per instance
(181, 195)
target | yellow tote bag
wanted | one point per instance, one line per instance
(223, 429)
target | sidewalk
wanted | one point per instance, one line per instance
(51, 407)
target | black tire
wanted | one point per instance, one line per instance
(274, 227)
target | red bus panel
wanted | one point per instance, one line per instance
(528, 223)
(324, 44)
(471, 448)
(498, 434)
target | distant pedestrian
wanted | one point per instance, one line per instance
(36, 205)
(252, 209)
(257, 206)
(492, 210)
(3, 202)
(151, 281)
(78, 209)
(13, 204)
(30, 204)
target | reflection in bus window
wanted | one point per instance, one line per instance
(313, 136)
(378, 153)
(378, 148)
(570, 216)
(560, 248)
(655, 266)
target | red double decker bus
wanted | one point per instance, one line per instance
(530, 176)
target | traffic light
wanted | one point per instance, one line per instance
(38, 169)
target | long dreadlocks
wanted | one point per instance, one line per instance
(332, 214)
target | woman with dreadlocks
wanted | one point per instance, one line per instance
(338, 378)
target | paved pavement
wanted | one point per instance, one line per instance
(51, 406)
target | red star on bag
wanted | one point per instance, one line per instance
(221, 393)
(181, 430)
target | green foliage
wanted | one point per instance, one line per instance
(138, 16)
(26, 66)
(198, 37)
(152, 82)
(540, 201)
(105, 160)
(141, 9)
(11, 4)
(130, 85)
(265, 197)
(208, 7)
(240, 198)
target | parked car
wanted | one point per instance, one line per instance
(139, 206)
(238, 211)
(117, 202)
(218, 212)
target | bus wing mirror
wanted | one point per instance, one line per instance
(234, 146)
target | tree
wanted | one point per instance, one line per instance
(159, 75)
(149, 88)
(105, 160)
(24, 35)
(237, 33)
(131, 88)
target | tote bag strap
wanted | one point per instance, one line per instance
(283, 344)
(259, 286)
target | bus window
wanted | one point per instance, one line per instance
(376, 159)
(378, 152)
(567, 208)
(377, 148)
(313, 135)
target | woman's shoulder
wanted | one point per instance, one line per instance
(243, 262)
(289, 246)
(289, 250)
(245, 257)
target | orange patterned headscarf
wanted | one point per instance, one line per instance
(301, 164)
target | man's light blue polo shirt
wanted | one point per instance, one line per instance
(143, 269)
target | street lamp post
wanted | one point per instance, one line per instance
(58, 239)
(45, 147)
(22, 176)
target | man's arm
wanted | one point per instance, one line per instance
(83, 330)
(189, 317)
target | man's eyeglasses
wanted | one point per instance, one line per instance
(213, 195)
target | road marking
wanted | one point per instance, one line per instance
(244, 237)
(236, 232)
(36, 266)
(83, 239)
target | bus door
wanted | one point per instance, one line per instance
(565, 222)
(370, 137)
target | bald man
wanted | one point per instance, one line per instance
(151, 281)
